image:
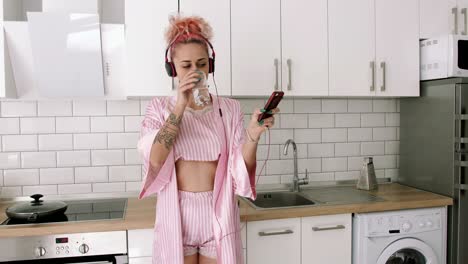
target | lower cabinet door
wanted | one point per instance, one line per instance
(274, 241)
(327, 239)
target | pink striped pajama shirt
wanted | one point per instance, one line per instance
(231, 178)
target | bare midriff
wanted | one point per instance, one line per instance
(195, 176)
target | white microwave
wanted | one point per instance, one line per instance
(444, 57)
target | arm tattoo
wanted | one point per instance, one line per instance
(174, 120)
(165, 137)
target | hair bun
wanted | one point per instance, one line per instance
(188, 25)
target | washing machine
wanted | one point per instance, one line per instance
(416, 236)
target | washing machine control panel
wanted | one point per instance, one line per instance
(395, 223)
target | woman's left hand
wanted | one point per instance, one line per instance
(255, 128)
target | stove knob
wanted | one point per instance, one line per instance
(406, 226)
(40, 252)
(83, 249)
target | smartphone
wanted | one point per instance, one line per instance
(272, 103)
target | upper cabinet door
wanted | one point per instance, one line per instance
(437, 17)
(217, 13)
(146, 22)
(256, 50)
(397, 47)
(304, 47)
(462, 16)
(351, 29)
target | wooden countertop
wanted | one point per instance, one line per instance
(141, 213)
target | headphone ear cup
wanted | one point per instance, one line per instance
(211, 67)
(170, 69)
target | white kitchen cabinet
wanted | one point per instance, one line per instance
(256, 47)
(437, 17)
(372, 53)
(326, 239)
(397, 47)
(304, 46)
(140, 243)
(274, 241)
(217, 13)
(110, 11)
(146, 22)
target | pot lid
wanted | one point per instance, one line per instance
(36, 206)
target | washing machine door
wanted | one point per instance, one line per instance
(408, 251)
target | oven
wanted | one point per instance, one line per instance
(93, 248)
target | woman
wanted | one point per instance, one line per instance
(197, 158)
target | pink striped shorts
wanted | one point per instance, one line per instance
(196, 210)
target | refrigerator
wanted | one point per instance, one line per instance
(434, 152)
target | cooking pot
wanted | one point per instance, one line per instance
(35, 210)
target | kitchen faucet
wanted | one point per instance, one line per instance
(296, 181)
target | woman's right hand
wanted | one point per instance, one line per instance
(186, 84)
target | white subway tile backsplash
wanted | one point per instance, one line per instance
(334, 164)
(312, 165)
(385, 133)
(248, 105)
(334, 106)
(301, 151)
(72, 124)
(359, 134)
(346, 175)
(286, 106)
(19, 143)
(294, 121)
(132, 157)
(54, 108)
(321, 120)
(37, 125)
(73, 158)
(372, 148)
(279, 136)
(56, 176)
(91, 174)
(130, 107)
(359, 105)
(89, 108)
(56, 142)
(143, 105)
(355, 163)
(347, 149)
(392, 174)
(307, 136)
(334, 135)
(38, 160)
(269, 179)
(279, 167)
(392, 147)
(90, 141)
(124, 173)
(8, 192)
(392, 119)
(262, 152)
(107, 124)
(1, 180)
(133, 123)
(385, 162)
(9, 160)
(320, 176)
(380, 173)
(74, 188)
(133, 186)
(307, 106)
(9, 126)
(372, 120)
(21, 177)
(122, 140)
(321, 150)
(347, 120)
(14, 109)
(107, 157)
(384, 105)
(42, 189)
(109, 187)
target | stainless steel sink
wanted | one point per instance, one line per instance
(273, 200)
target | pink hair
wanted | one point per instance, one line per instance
(191, 29)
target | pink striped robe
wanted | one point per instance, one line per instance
(231, 179)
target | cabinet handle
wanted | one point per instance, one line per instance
(328, 228)
(372, 66)
(455, 23)
(276, 71)
(463, 11)
(287, 231)
(289, 62)
(382, 65)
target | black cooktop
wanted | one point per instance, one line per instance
(83, 210)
